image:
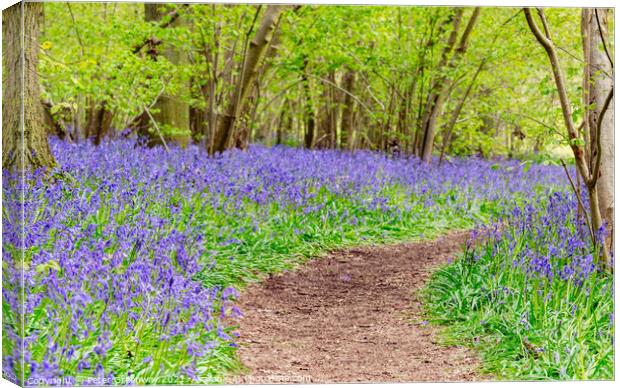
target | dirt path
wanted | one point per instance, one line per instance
(350, 316)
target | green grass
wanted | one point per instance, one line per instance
(525, 326)
(279, 239)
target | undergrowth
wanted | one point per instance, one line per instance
(530, 298)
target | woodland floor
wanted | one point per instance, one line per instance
(350, 316)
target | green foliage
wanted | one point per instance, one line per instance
(502, 300)
(287, 237)
(87, 59)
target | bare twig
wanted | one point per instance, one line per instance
(343, 90)
(161, 137)
(595, 67)
(597, 165)
(555, 130)
(152, 104)
(600, 31)
(578, 200)
(168, 20)
(549, 47)
(77, 32)
(280, 94)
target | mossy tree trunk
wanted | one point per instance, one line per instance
(24, 136)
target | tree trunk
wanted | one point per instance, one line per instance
(457, 111)
(198, 124)
(104, 121)
(54, 123)
(258, 45)
(588, 168)
(404, 114)
(170, 111)
(328, 113)
(308, 108)
(440, 89)
(346, 123)
(199, 117)
(24, 136)
(285, 117)
(598, 83)
(99, 120)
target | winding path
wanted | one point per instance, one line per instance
(350, 316)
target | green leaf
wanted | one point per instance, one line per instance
(51, 264)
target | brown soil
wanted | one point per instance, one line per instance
(350, 316)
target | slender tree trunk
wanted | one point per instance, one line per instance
(283, 121)
(198, 123)
(104, 122)
(170, 111)
(404, 109)
(308, 108)
(249, 109)
(258, 45)
(213, 80)
(54, 123)
(322, 140)
(24, 136)
(438, 97)
(588, 169)
(598, 83)
(328, 112)
(457, 111)
(99, 120)
(346, 124)
(423, 108)
(387, 127)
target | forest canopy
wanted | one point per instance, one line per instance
(330, 76)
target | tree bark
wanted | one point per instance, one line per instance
(457, 111)
(346, 124)
(588, 169)
(258, 45)
(170, 111)
(430, 112)
(598, 83)
(440, 89)
(99, 120)
(24, 136)
(54, 123)
(308, 108)
(327, 115)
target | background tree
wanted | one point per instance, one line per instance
(171, 111)
(441, 86)
(257, 47)
(302, 89)
(24, 136)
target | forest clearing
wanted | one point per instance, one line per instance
(257, 194)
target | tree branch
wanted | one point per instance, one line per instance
(547, 44)
(168, 20)
(343, 90)
(578, 200)
(161, 137)
(597, 164)
(600, 31)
